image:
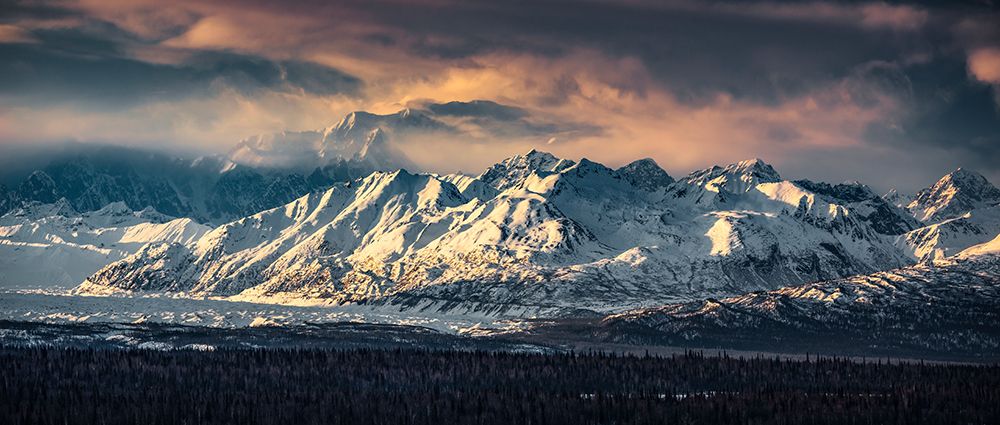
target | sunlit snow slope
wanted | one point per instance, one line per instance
(53, 245)
(533, 232)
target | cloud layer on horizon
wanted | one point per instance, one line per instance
(894, 94)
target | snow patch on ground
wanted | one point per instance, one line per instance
(52, 306)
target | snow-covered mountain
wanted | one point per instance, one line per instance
(361, 139)
(950, 305)
(954, 195)
(532, 233)
(54, 245)
(948, 237)
(646, 174)
(209, 189)
(959, 210)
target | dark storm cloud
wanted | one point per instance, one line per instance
(68, 67)
(768, 78)
(478, 108)
(693, 49)
(696, 51)
(497, 122)
(950, 113)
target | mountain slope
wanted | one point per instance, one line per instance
(53, 245)
(538, 233)
(960, 210)
(991, 247)
(882, 215)
(948, 237)
(948, 306)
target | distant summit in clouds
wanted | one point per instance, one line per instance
(377, 142)
(360, 137)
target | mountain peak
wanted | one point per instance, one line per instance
(955, 194)
(645, 173)
(353, 119)
(114, 208)
(533, 154)
(359, 135)
(37, 210)
(735, 178)
(895, 198)
(756, 167)
(513, 170)
(532, 159)
(752, 162)
(966, 179)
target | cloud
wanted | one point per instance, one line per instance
(149, 22)
(199, 124)
(984, 65)
(688, 83)
(897, 17)
(875, 15)
(15, 34)
(478, 109)
(636, 117)
(93, 74)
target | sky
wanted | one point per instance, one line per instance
(890, 94)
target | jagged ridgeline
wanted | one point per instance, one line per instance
(534, 234)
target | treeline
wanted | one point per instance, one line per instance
(279, 386)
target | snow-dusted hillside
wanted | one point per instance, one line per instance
(54, 245)
(948, 305)
(991, 247)
(532, 233)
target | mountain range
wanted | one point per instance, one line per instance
(536, 235)
(730, 256)
(341, 215)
